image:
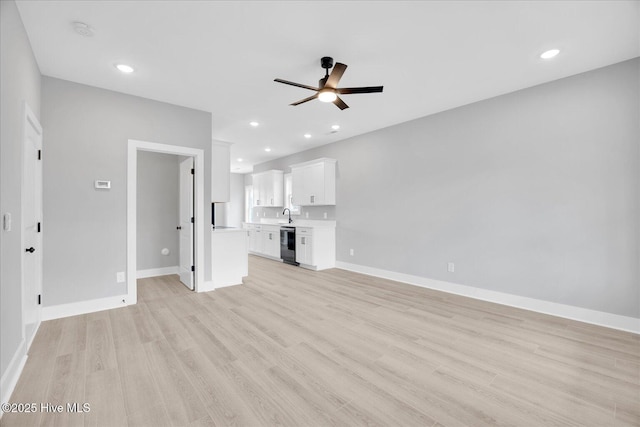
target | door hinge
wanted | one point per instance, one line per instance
(39, 299)
(191, 220)
(39, 154)
(38, 227)
(193, 268)
(193, 171)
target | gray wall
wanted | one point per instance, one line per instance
(87, 130)
(158, 206)
(19, 83)
(534, 193)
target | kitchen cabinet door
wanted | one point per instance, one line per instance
(268, 188)
(314, 183)
(271, 241)
(304, 246)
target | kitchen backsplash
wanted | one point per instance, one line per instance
(306, 212)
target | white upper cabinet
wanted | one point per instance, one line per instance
(268, 188)
(314, 182)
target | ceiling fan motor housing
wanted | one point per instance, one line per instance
(326, 62)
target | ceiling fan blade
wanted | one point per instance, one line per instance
(295, 84)
(367, 89)
(336, 74)
(340, 103)
(305, 100)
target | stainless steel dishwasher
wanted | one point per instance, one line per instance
(288, 245)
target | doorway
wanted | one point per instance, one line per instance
(196, 157)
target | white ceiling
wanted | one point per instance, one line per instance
(222, 57)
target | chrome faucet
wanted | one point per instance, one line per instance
(287, 209)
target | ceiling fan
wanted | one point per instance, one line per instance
(327, 90)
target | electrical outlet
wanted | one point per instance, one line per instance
(451, 267)
(351, 252)
(325, 215)
(306, 214)
(120, 278)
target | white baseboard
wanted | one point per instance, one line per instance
(212, 286)
(609, 320)
(153, 272)
(83, 307)
(12, 374)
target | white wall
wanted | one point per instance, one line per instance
(157, 210)
(87, 132)
(19, 83)
(534, 193)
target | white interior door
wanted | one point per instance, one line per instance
(186, 222)
(31, 225)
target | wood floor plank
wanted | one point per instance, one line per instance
(67, 386)
(104, 411)
(138, 387)
(100, 352)
(214, 388)
(294, 347)
(178, 394)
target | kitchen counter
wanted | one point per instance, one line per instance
(296, 223)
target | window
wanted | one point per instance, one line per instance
(248, 203)
(288, 194)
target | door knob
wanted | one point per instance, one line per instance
(30, 250)
(178, 228)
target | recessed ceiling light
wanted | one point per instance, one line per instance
(240, 160)
(267, 149)
(125, 68)
(254, 124)
(335, 127)
(550, 54)
(307, 135)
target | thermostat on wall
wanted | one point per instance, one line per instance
(102, 185)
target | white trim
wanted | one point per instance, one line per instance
(12, 373)
(132, 165)
(211, 286)
(226, 285)
(154, 272)
(83, 307)
(609, 320)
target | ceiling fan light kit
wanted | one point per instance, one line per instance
(327, 90)
(327, 95)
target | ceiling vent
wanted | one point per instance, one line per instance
(82, 29)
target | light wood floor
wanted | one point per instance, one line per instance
(298, 348)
